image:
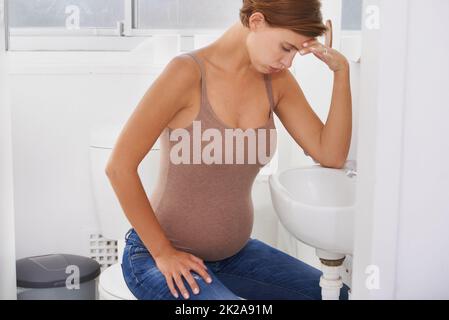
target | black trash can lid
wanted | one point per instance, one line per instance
(50, 271)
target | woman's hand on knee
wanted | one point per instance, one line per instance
(174, 264)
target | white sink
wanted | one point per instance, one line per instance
(316, 205)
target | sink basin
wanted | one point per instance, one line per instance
(316, 205)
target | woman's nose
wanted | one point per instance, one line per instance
(286, 63)
(288, 60)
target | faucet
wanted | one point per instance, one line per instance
(350, 168)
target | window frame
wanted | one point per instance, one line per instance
(123, 38)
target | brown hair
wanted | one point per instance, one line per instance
(301, 16)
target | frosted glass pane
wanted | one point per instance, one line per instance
(187, 14)
(352, 15)
(61, 13)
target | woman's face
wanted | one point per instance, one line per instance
(272, 48)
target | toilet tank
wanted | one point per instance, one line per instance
(111, 217)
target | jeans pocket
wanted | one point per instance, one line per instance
(137, 252)
(140, 260)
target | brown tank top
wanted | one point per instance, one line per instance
(205, 207)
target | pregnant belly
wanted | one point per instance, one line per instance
(209, 234)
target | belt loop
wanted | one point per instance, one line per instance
(127, 234)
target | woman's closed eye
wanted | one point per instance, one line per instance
(285, 49)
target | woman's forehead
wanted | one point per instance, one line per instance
(293, 37)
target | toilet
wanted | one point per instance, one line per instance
(112, 220)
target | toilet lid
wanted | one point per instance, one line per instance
(112, 282)
(105, 136)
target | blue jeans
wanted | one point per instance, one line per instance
(256, 272)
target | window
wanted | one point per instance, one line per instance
(352, 15)
(351, 25)
(66, 14)
(186, 14)
(112, 24)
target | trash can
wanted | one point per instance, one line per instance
(57, 277)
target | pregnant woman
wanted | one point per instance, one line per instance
(213, 110)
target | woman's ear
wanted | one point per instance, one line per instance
(257, 21)
(329, 34)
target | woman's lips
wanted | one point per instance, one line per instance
(274, 69)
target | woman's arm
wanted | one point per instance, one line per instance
(336, 134)
(327, 143)
(167, 96)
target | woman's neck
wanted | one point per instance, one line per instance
(230, 52)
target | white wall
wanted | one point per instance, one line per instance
(423, 237)
(7, 246)
(402, 221)
(56, 99)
